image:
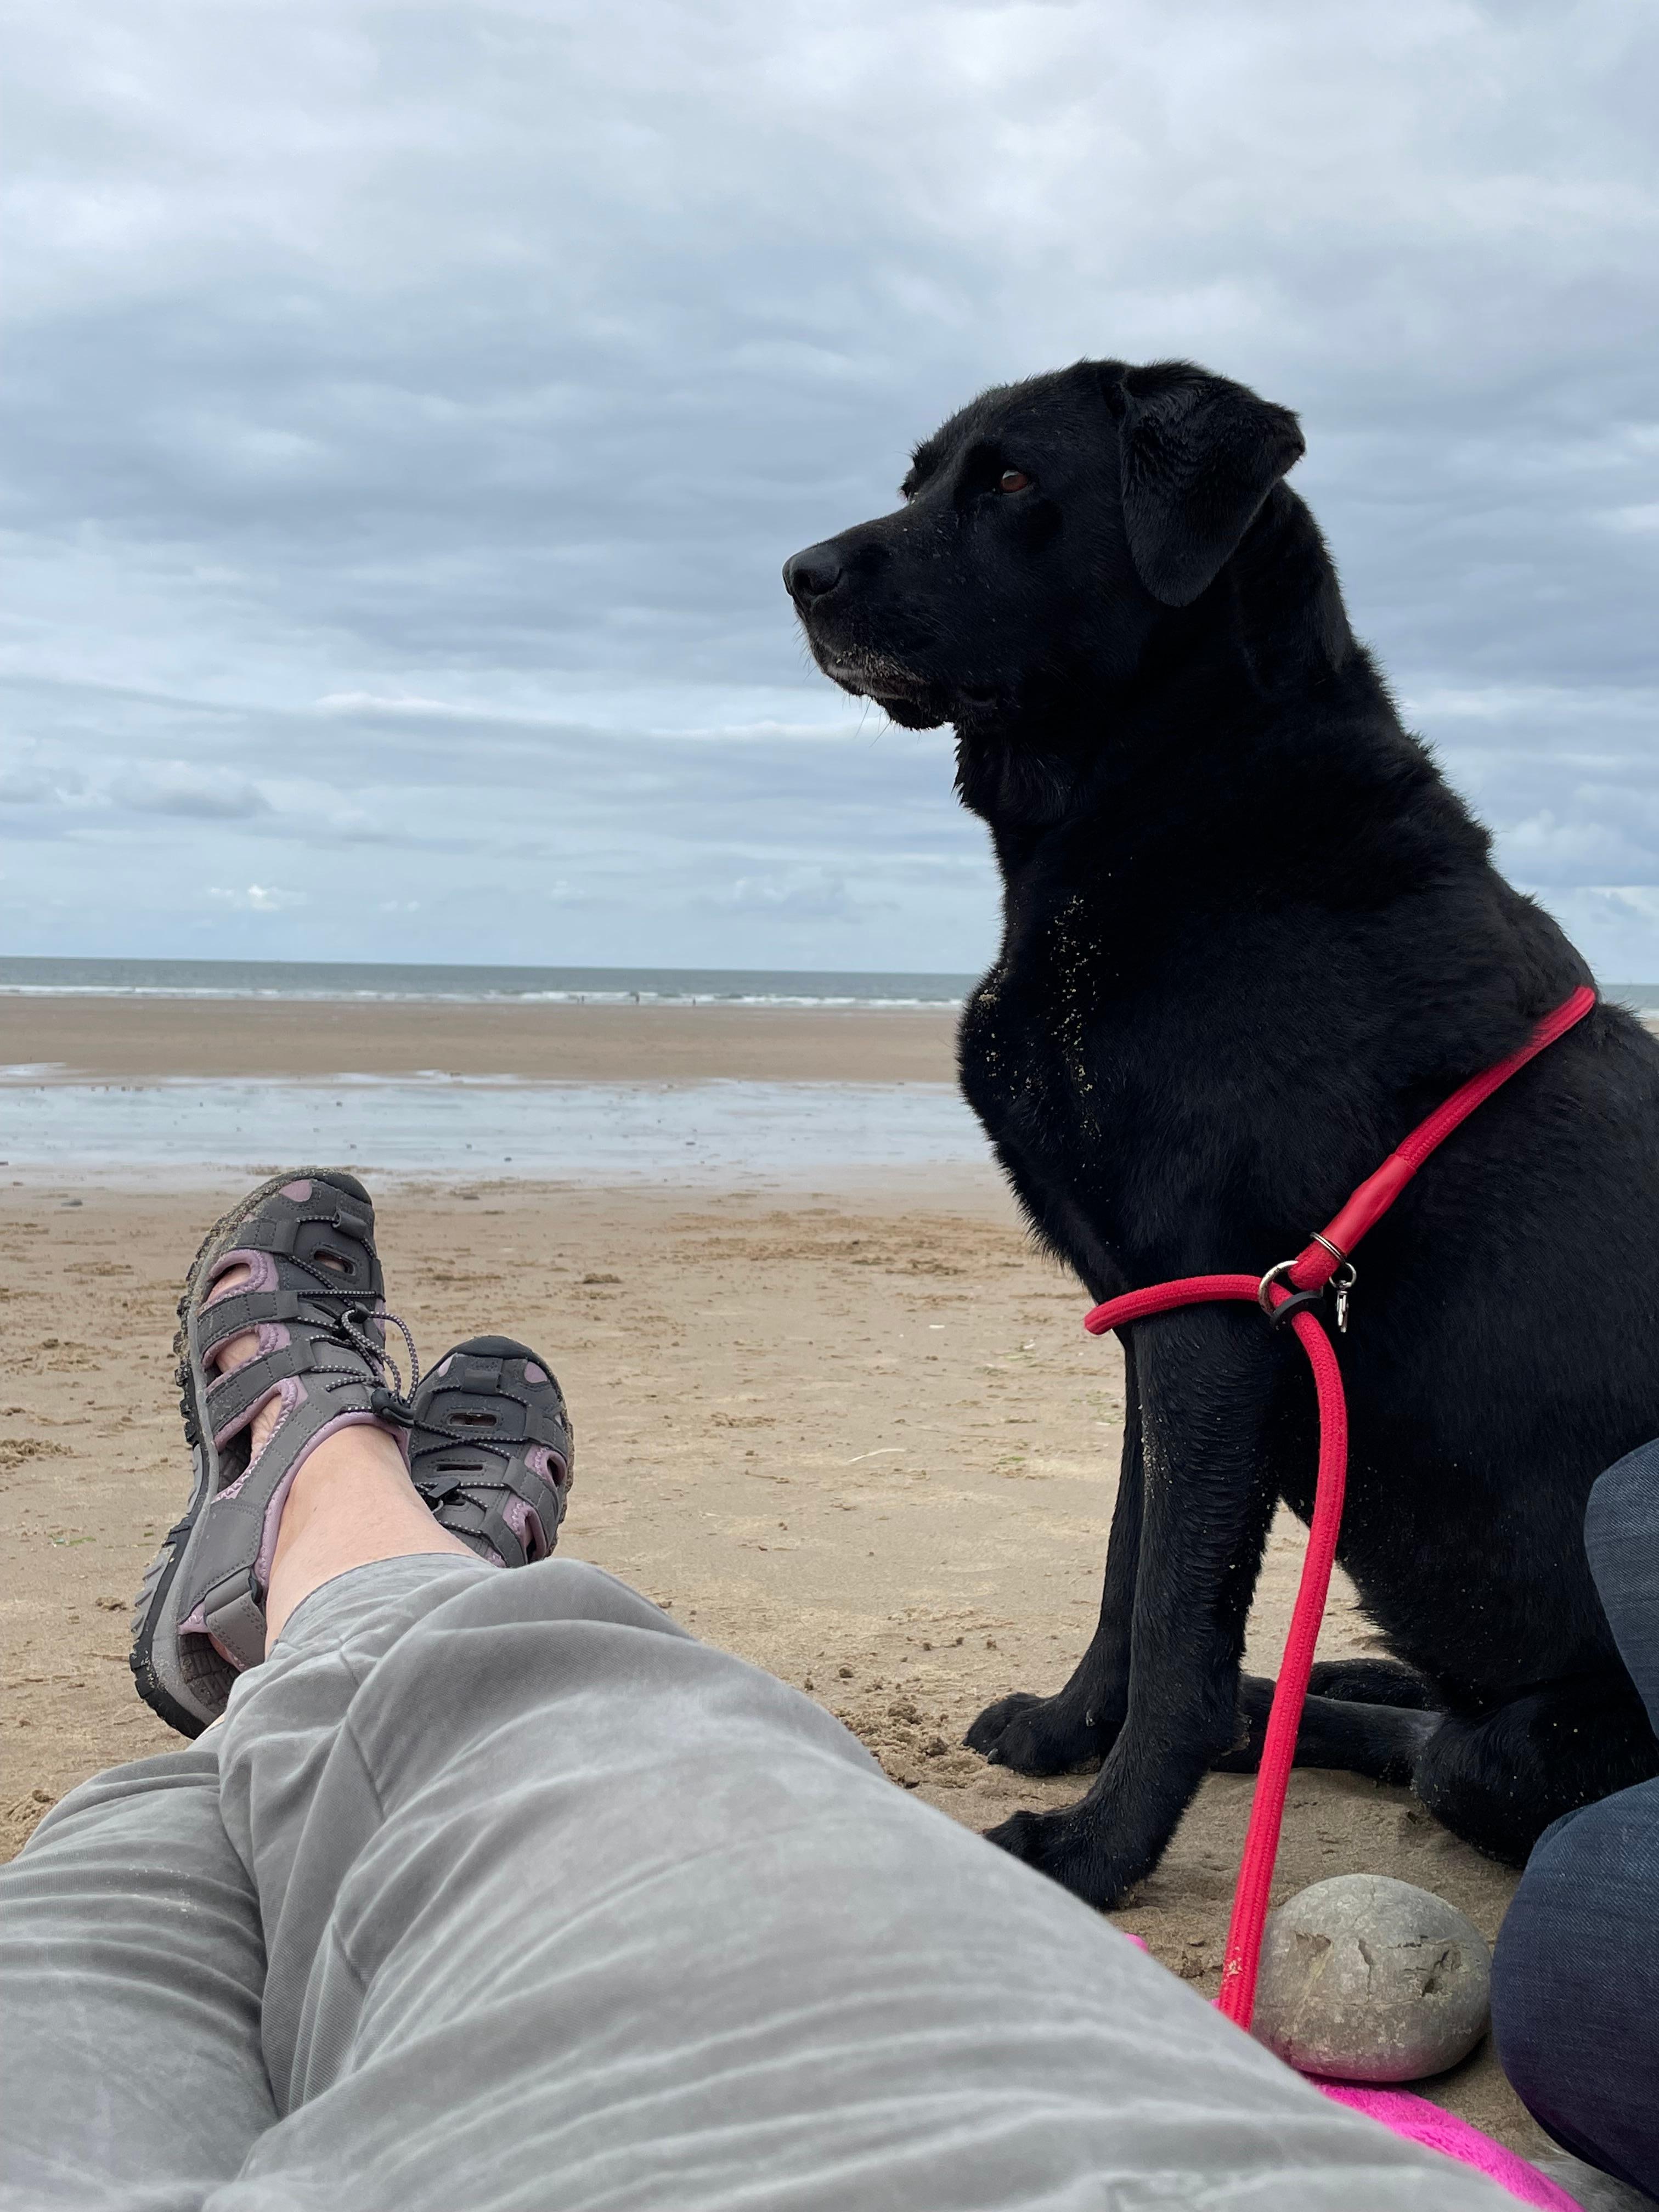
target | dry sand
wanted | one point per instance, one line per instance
(859, 1438)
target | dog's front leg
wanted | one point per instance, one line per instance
(1205, 1381)
(1080, 1724)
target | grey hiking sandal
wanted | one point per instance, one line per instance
(492, 1449)
(314, 1297)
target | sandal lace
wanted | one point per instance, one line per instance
(349, 1329)
(392, 1402)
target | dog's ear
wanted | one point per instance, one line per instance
(1198, 456)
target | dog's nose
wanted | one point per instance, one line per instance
(812, 574)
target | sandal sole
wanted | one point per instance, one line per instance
(162, 1682)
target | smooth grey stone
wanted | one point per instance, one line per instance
(1370, 1979)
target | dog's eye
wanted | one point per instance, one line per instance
(1013, 480)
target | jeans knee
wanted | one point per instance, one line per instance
(1576, 1975)
(1624, 1506)
(1621, 1542)
(1532, 1965)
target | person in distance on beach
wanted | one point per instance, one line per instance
(485, 1888)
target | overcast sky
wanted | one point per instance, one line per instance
(413, 404)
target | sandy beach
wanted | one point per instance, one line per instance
(131, 1039)
(853, 1432)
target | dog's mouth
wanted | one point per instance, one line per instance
(851, 675)
(913, 701)
(872, 675)
(905, 696)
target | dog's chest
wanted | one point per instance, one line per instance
(1035, 1070)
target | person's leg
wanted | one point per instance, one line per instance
(563, 1907)
(131, 1952)
(131, 1977)
(282, 1350)
(349, 1503)
(1576, 1970)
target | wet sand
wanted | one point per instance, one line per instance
(122, 1040)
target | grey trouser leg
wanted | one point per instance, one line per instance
(565, 1910)
(132, 1972)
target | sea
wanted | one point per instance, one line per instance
(386, 980)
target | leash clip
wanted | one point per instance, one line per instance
(1346, 1277)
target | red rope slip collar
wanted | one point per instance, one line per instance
(1307, 1276)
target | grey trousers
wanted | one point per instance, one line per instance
(500, 1890)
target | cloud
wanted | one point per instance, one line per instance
(811, 894)
(258, 898)
(25, 786)
(1621, 918)
(357, 703)
(207, 794)
(412, 409)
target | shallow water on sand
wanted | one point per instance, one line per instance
(449, 1129)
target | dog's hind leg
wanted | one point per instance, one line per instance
(1373, 1682)
(1340, 1729)
(1498, 1778)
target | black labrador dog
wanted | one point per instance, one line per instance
(1250, 938)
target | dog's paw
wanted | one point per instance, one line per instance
(1065, 1846)
(1038, 1735)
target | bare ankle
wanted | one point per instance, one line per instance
(351, 1504)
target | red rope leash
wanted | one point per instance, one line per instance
(1301, 1282)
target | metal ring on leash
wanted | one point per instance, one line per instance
(1264, 1288)
(1305, 1301)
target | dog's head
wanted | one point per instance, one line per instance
(1043, 530)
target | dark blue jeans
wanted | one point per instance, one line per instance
(1576, 1975)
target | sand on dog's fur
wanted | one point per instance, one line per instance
(859, 1438)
